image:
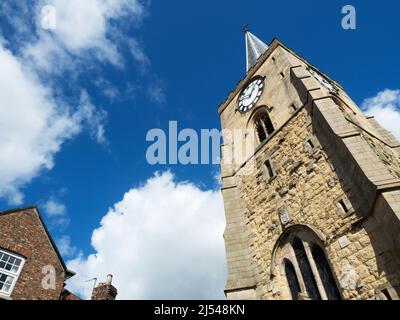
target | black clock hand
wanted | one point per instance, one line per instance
(246, 96)
(252, 90)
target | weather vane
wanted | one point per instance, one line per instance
(245, 28)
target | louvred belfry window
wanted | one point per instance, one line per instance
(263, 126)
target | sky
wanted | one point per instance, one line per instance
(77, 102)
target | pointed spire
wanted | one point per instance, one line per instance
(254, 48)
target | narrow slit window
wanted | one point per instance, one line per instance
(293, 107)
(310, 143)
(270, 170)
(344, 206)
(282, 75)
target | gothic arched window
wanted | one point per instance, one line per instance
(293, 282)
(306, 271)
(306, 267)
(263, 126)
(325, 273)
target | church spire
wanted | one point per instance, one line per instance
(254, 48)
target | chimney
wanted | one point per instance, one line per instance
(105, 291)
(109, 279)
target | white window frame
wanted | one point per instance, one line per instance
(14, 275)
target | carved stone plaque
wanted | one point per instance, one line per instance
(283, 215)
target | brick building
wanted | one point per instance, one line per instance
(313, 212)
(31, 267)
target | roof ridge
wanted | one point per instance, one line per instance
(69, 273)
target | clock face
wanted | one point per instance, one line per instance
(323, 81)
(250, 95)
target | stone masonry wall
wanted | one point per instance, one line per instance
(308, 187)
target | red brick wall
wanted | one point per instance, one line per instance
(22, 233)
(104, 292)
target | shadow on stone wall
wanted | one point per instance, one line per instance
(376, 217)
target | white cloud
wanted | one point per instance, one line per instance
(34, 122)
(47, 55)
(156, 91)
(85, 24)
(84, 29)
(34, 125)
(16, 13)
(107, 89)
(92, 116)
(56, 214)
(217, 177)
(65, 247)
(163, 240)
(138, 53)
(385, 106)
(54, 208)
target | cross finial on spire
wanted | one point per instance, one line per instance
(245, 28)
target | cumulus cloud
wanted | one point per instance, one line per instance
(385, 107)
(35, 125)
(83, 29)
(35, 122)
(85, 24)
(163, 240)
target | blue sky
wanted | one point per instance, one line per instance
(129, 66)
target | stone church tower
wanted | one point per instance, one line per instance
(314, 211)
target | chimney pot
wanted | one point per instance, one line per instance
(109, 279)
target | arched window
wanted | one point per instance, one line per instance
(325, 273)
(305, 266)
(293, 282)
(306, 271)
(263, 126)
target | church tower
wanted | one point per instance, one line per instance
(313, 211)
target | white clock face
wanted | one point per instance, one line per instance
(250, 95)
(323, 81)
